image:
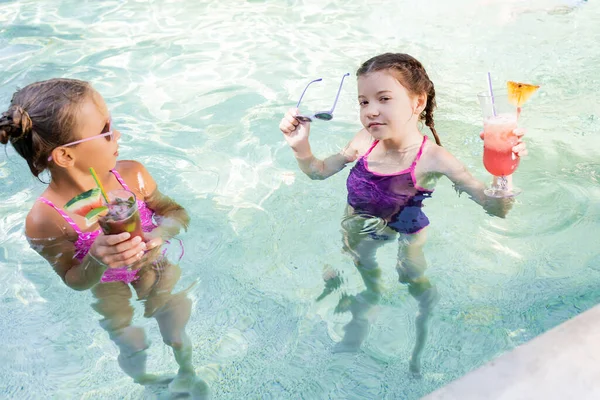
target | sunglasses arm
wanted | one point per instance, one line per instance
(338, 92)
(304, 91)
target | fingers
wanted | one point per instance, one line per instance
(481, 135)
(112, 240)
(156, 242)
(122, 247)
(118, 250)
(125, 258)
(520, 150)
(288, 122)
(287, 127)
(519, 132)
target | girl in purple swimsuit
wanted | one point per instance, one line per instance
(396, 169)
(63, 125)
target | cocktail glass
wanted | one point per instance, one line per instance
(499, 121)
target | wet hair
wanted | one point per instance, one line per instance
(412, 75)
(41, 117)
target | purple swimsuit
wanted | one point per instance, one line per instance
(86, 239)
(394, 197)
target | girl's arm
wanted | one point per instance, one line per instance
(46, 235)
(322, 169)
(59, 252)
(441, 161)
(169, 215)
(296, 134)
(448, 165)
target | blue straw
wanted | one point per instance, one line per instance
(491, 93)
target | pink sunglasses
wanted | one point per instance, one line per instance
(109, 136)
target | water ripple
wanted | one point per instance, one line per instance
(198, 88)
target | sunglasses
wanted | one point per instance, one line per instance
(322, 115)
(109, 136)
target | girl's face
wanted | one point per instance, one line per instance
(387, 109)
(93, 119)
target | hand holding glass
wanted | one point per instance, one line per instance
(499, 122)
(122, 216)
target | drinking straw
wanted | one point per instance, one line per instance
(99, 184)
(491, 93)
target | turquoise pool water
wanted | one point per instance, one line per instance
(198, 88)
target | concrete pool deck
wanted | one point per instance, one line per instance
(562, 363)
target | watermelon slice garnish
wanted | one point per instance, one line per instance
(93, 215)
(85, 202)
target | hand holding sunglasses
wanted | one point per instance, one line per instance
(322, 115)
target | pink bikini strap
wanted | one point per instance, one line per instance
(62, 213)
(371, 148)
(418, 157)
(66, 216)
(121, 181)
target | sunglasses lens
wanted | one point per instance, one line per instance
(324, 116)
(302, 118)
(108, 131)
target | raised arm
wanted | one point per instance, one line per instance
(296, 134)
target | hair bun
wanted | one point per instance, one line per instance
(5, 128)
(14, 124)
(3, 136)
(21, 119)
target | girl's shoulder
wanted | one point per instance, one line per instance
(129, 167)
(436, 159)
(136, 176)
(44, 222)
(361, 143)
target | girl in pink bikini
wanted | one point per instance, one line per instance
(396, 168)
(63, 125)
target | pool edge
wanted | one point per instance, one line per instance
(562, 363)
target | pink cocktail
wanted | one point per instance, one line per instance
(498, 141)
(499, 122)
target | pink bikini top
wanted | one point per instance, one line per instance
(86, 239)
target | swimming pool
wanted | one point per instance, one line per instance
(198, 88)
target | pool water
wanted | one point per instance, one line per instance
(198, 88)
